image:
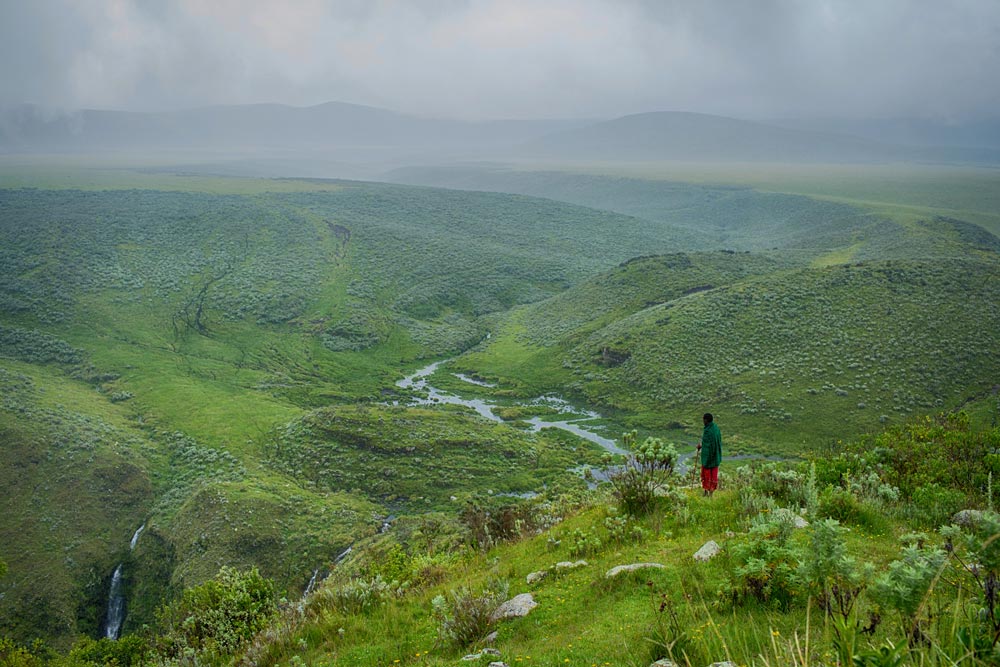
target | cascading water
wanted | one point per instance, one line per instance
(312, 584)
(116, 605)
(135, 537)
(116, 596)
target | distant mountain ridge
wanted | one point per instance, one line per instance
(358, 133)
(256, 127)
(687, 136)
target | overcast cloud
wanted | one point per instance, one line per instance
(510, 58)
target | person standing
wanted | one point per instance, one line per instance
(711, 455)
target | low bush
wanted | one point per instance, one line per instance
(646, 474)
(765, 565)
(356, 596)
(217, 617)
(465, 617)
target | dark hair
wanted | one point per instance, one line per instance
(708, 416)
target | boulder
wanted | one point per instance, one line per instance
(663, 662)
(725, 663)
(535, 577)
(968, 518)
(471, 657)
(785, 514)
(491, 652)
(619, 569)
(516, 607)
(499, 664)
(491, 638)
(564, 565)
(708, 551)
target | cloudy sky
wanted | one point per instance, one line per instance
(510, 58)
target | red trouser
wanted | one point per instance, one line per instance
(710, 478)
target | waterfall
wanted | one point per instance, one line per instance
(116, 606)
(311, 584)
(116, 596)
(135, 537)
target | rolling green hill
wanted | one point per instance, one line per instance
(173, 334)
(217, 359)
(791, 358)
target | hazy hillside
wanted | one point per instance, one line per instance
(730, 217)
(161, 354)
(983, 135)
(789, 357)
(695, 137)
(366, 131)
(219, 362)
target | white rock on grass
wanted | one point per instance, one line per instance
(708, 551)
(567, 565)
(968, 518)
(561, 566)
(499, 664)
(785, 514)
(725, 663)
(516, 607)
(619, 569)
(535, 577)
(663, 662)
(492, 652)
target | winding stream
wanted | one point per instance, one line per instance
(419, 381)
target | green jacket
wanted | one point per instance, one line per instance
(711, 446)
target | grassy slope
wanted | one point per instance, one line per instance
(294, 314)
(795, 358)
(581, 618)
(76, 484)
(295, 318)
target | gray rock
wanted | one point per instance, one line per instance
(490, 638)
(491, 652)
(724, 663)
(708, 551)
(516, 607)
(499, 664)
(535, 577)
(567, 565)
(619, 569)
(663, 662)
(785, 514)
(471, 657)
(968, 518)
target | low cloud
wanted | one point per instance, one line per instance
(510, 58)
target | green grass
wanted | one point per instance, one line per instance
(790, 360)
(214, 355)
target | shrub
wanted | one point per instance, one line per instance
(829, 572)
(645, 474)
(582, 543)
(840, 504)
(356, 596)
(217, 617)
(784, 485)
(905, 585)
(933, 505)
(464, 617)
(752, 503)
(129, 651)
(978, 550)
(766, 565)
(621, 529)
(13, 655)
(390, 564)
